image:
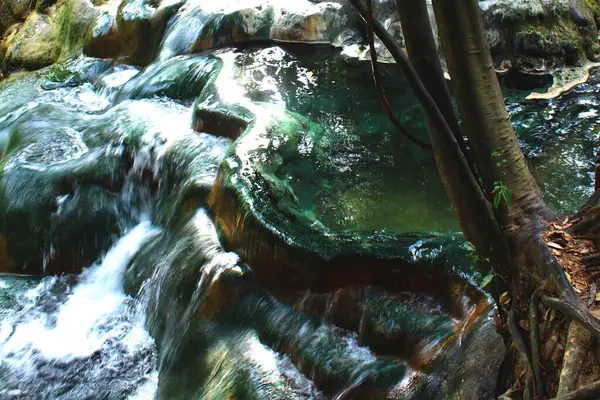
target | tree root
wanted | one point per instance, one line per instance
(575, 313)
(534, 338)
(579, 341)
(545, 260)
(589, 392)
(521, 347)
(513, 328)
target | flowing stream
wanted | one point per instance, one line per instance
(79, 339)
(162, 309)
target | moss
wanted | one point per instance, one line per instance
(75, 21)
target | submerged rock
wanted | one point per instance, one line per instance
(219, 334)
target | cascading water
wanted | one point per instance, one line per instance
(92, 147)
(72, 339)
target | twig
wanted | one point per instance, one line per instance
(379, 85)
(588, 392)
(534, 337)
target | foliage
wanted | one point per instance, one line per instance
(472, 254)
(502, 194)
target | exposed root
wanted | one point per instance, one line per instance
(534, 338)
(575, 313)
(521, 347)
(589, 392)
(579, 341)
(597, 172)
(543, 257)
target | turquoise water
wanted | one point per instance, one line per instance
(88, 151)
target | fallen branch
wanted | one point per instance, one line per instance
(379, 85)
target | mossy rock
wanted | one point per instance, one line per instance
(34, 44)
(182, 77)
(535, 37)
(262, 203)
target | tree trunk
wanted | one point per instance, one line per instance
(482, 109)
(514, 236)
(423, 54)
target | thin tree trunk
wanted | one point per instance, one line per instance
(473, 209)
(423, 54)
(481, 103)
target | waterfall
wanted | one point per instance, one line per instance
(96, 320)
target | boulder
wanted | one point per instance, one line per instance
(199, 26)
(537, 37)
(140, 27)
(32, 45)
(181, 78)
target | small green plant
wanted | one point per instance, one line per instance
(472, 254)
(502, 194)
(500, 163)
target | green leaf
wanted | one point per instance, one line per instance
(487, 280)
(496, 201)
(496, 154)
(469, 246)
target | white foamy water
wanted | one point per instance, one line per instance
(80, 323)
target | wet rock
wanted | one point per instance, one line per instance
(473, 372)
(199, 299)
(71, 180)
(58, 207)
(140, 26)
(33, 44)
(11, 12)
(182, 77)
(104, 40)
(74, 20)
(203, 305)
(535, 37)
(310, 23)
(189, 169)
(200, 26)
(413, 326)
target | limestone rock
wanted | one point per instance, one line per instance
(537, 37)
(33, 44)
